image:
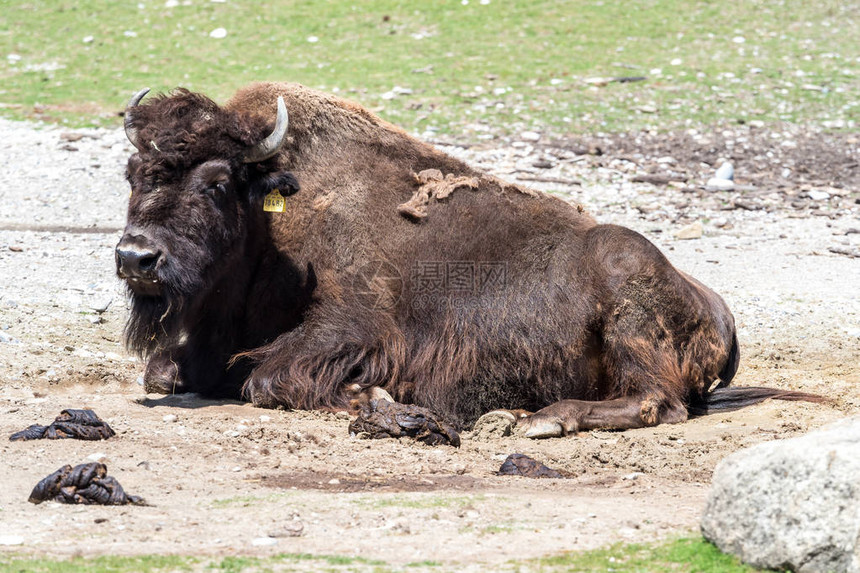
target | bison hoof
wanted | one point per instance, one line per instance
(542, 427)
(162, 377)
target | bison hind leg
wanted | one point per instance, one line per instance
(572, 416)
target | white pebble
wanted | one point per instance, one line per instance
(218, 33)
(169, 418)
(263, 541)
(717, 184)
(726, 171)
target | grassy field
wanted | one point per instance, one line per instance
(677, 556)
(470, 68)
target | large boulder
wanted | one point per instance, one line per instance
(791, 504)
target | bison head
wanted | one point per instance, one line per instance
(197, 183)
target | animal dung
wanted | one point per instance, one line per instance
(78, 424)
(383, 419)
(522, 465)
(86, 484)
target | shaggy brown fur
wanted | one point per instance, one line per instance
(495, 296)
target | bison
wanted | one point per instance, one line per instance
(296, 260)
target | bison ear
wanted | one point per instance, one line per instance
(283, 181)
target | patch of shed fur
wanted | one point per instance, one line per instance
(433, 185)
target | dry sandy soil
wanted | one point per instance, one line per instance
(226, 478)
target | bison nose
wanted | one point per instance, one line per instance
(136, 258)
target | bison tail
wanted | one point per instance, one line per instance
(728, 399)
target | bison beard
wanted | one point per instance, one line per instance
(378, 275)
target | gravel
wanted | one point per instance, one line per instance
(781, 255)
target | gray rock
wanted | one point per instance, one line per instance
(791, 504)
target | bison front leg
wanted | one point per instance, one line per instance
(162, 376)
(320, 366)
(571, 416)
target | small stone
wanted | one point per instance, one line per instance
(817, 195)
(88, 39)
(726, 171)
(293, 528)
(94, 319)
(530, 136)
(264, 541)
(691, 231)
(717, 184)
(342, 415)
(600, 82)
(633, 476)
(720, 222)
(218, 33)
(334, 481)
(169, 418)
(101, 305)
(97, 457)
(495, 424)
(264, 419)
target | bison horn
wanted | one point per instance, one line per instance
(130, 131)
(270, 146)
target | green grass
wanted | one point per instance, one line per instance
(504, 66)
(677, 556)
(418, 501)
(248, 500)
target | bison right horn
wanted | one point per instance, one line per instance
(130, 131)
(270, 146)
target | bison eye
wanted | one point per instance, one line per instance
(218, 190)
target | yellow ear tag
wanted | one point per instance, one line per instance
(274, 202)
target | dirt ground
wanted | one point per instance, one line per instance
(226, 478)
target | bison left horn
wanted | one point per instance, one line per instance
(270, 146)
(130, 130)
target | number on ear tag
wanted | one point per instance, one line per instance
(274, 202)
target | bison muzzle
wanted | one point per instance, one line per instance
(395, 267)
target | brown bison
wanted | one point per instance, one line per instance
(395, 267)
